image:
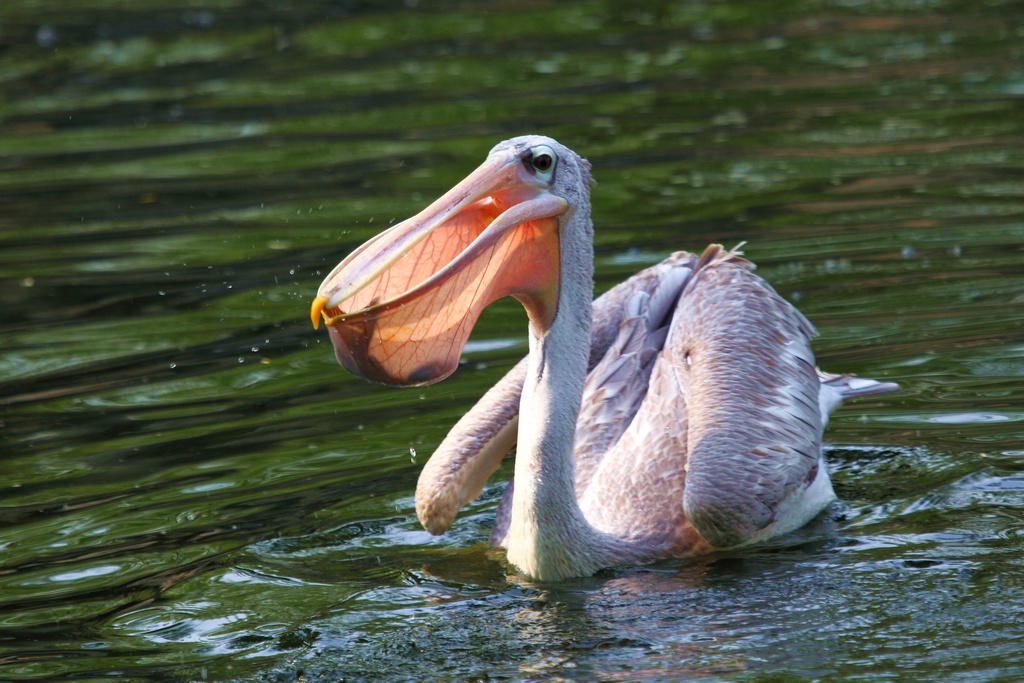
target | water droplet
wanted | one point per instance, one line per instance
(173, 365)
(412, 455)
(241, 359)
(46, 36)
(204, 18)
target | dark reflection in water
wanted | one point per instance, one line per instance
(193, 490)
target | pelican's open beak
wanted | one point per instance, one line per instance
(400, 307)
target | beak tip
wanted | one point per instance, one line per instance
(316, 311)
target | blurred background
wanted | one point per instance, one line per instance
(193, 489)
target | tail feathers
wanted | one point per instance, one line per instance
(852, 386)
(838, 388)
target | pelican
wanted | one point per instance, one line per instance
(680, 413)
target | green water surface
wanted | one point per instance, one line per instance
(192, 489)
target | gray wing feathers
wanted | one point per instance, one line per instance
(472, 451)
(637, 486)
(742, 357)
(617, 386)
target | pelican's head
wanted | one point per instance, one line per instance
(400, 307)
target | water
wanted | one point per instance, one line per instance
(194, 490)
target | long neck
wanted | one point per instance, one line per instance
(549, 537)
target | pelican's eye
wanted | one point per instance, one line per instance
(541, 160)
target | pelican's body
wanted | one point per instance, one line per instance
(679, 413)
